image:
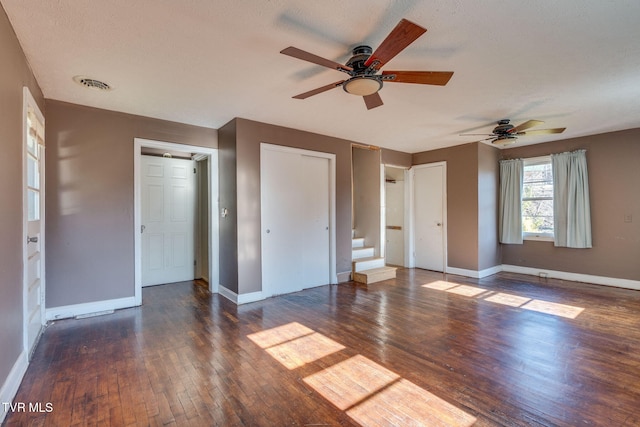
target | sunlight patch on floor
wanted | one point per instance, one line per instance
(347, 383)
(280, 334)
(370, 394)
(508, 299)
(440, 285)
(553, 308)
(296, 353)
(466, 290)
(295, 345)
(405, 404)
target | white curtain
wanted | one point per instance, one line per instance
(511, 175)
(571, 211)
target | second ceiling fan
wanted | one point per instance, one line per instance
(364, 66)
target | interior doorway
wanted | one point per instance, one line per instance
(206, 240)
(297, 219)
(395, 229)
(429, 236)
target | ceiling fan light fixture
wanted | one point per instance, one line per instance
(362, 85)
(505, 140)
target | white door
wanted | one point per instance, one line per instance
(429, 214)
(295, 221)
(34, 222)
(168, 204)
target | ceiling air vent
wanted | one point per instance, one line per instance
(92, 83)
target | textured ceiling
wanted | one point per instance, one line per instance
(573, 63)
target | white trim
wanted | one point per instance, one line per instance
(12, 383)
(333, 276)
(212, 153)
(412, 214)
(29, 102)
(242, 298)
(574, 277)
(474, 273)
(67, 311)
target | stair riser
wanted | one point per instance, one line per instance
(368, 264)
(357, 253)
(357, 243)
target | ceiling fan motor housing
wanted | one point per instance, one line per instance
(360, 55)
(503, 128)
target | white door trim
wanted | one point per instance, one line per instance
(412, 214)
(29, 102)
(212, 154)
(332, 197)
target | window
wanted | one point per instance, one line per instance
(537, 199)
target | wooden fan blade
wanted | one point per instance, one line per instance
(310, 57)
(439, 78)
(319, 90)
(542, 131)
(405, 33)
(477, 134)
(373, 100)
(526, 125)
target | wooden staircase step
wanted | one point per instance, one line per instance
(367, 263)
(374, 275)
(363, 252)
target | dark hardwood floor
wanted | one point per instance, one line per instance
(411, 350)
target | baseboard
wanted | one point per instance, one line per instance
(574, 277)
(474, 273)
(344, 277)
(12, 383)
(67, 311)
(242, 298)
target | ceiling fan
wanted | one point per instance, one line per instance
(506, 133)
(364, 66)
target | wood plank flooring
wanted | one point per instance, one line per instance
(421, 349)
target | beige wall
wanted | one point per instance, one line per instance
(90, 198)
(395, 158)
(462, 201)
(366, 196)
(14, 74)
(489, 250)
(613, 162)
(240, 161)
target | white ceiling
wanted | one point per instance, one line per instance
(573, 63)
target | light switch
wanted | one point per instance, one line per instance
(628, 217)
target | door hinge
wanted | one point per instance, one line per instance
(194, 170)
(194, 263)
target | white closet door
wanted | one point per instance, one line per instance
(295, 221)
(168, 220)
(429, 217)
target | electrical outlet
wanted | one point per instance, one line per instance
(543, 275)
(628, 218)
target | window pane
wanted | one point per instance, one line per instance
(33, 174)
(537, 216)
(33, 201)
(537, 199)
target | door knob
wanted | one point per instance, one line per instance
(32, 239)
(439, 224)
(268, 231)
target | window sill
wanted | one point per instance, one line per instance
(538, 238)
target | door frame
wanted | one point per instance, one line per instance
(411, 246)
(200, 153)
(333, 277)
(29, 101)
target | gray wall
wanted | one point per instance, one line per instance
(240, 245)
(395, 158)
(366, 196)
(489, 250)
(227, 192)
(14, 75)
(90, 197)
(613, 161)
(462, 201)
